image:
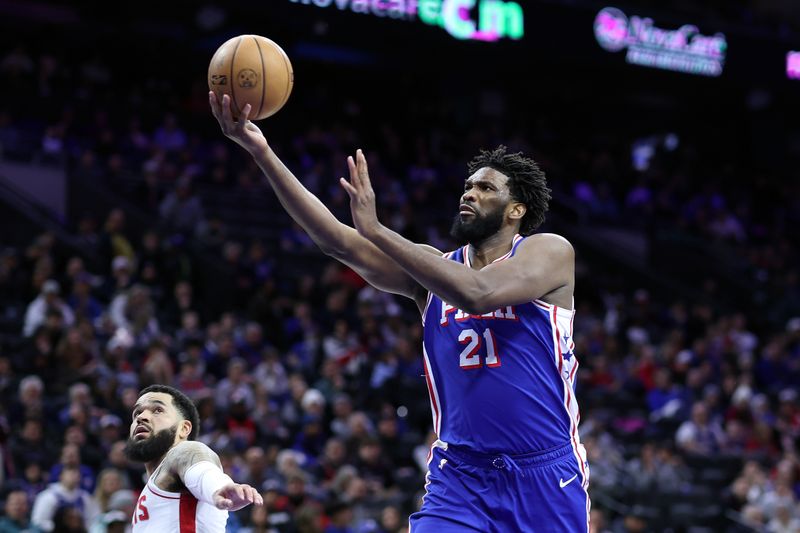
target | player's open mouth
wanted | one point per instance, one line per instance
(466, 210)
(140, 432)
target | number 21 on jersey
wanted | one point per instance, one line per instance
(472, 356)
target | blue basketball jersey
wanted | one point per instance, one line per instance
(503, 381)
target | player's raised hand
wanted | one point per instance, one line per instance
(362, 196)
(245, 133)
(235, 496)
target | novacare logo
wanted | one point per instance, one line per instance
(684, 49)
(496, 19)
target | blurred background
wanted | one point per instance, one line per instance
(138, 246)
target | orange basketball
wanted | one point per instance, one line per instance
(252, 70)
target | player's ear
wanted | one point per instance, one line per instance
(517, 210)
(185, 429)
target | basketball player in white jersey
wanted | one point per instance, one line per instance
(186, 491)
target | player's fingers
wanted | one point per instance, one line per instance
(239, 491)
(225, 503)
(245, 114)
(226, 109)
(214, 103)
(363, 171)
(347, 187)
(258, 499)
(351, 165)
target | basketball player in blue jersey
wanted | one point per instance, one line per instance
(498, 348)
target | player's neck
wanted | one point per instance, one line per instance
(487, 251)
(150, 466)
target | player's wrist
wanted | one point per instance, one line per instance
(204, 480)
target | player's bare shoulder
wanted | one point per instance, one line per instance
(186, 453)
(178, 459)
(552, 244)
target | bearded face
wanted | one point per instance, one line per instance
(154, 446)
(477, 227)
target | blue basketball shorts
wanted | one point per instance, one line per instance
(540, 492)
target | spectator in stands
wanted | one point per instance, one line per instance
(66, 493)
(47, 300)
(665, 399)
(16, 519)
(181, 211)
(700, 435)
(71, 458)
(121, 278)
(30, 446)
(113, 242)
(109, 481)
(785, 519)
(236, 384)
(81, 301)
(169, 136)
(133, 310)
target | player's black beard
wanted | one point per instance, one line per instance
(480, 228)
(152, 447)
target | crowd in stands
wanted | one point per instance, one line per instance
(308, 381)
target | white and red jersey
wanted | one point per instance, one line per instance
(160, 511)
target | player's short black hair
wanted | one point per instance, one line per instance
(526, 181)
(182, 403)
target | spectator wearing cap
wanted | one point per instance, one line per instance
(16, 519)
(111, 522)
(48, 300)
(110, 429)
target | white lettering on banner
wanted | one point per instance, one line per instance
(681, 50)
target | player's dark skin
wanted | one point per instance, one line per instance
(542, 267)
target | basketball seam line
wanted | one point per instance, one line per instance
(291, 76)
(263, 77)
(233, 80)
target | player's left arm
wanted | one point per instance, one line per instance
(542, 263)
(200, 471)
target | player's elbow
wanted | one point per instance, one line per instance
(331, 250)
(477, 301)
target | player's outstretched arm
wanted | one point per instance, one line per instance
(543, 263)
(199, 469)
(333, 237)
